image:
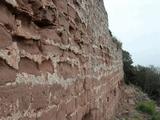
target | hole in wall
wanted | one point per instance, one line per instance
(87, 116)
(107, 99)
(43, 23)
(115, 92)
(71, 29)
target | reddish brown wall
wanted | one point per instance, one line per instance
(57, 61)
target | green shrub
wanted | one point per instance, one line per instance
(117, 42)
(156, 116)
(147, 107)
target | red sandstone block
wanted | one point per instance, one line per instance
(46, 66)
(72, 117)
(82, 99)
(24, 101)
(63, 21)
(98, 115)
(61, 115)
(70, 1)
(28, 66)
(72, 12)
(65, 37)
(98, 51)
(71, 90)
(86, 70)
(79, 115)
(79, 88)
(24, 6)
(81, 111)
(13, 96)
(75, 45)
(49, 115)
(5, 105)
(82, 28)
(77, 36)
(48, 50)
(7, 74)
(83, 59)
(40, 95)
(29, 46)
(43, 16)
(71, 106)
(5, 37)
(50, 34)
(104, 79)
(55, 100)
(61, 94)
(61, 5)
(90, 96)
(69, 54)
(88, 83)
(66, 70)
(95, 83)
(87, 49)
(58, 93)
(7, 18)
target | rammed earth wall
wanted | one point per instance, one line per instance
(57, 61)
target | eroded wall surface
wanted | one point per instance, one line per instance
(57, 61)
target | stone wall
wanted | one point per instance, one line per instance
(57, 61)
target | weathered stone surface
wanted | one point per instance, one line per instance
(5, 38)
(66, 70)
(57, 61)
(28, 66)
(7, 19)
(7, 74)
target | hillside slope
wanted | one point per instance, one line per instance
(132, 98)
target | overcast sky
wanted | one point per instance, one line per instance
(136, 23)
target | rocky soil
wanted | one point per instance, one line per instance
(127, 106)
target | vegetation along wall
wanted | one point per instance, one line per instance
(57, 61)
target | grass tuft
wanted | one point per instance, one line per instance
(156, 116)
(147, 107)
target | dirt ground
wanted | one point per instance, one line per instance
(127, 106)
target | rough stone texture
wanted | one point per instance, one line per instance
(57, 61)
